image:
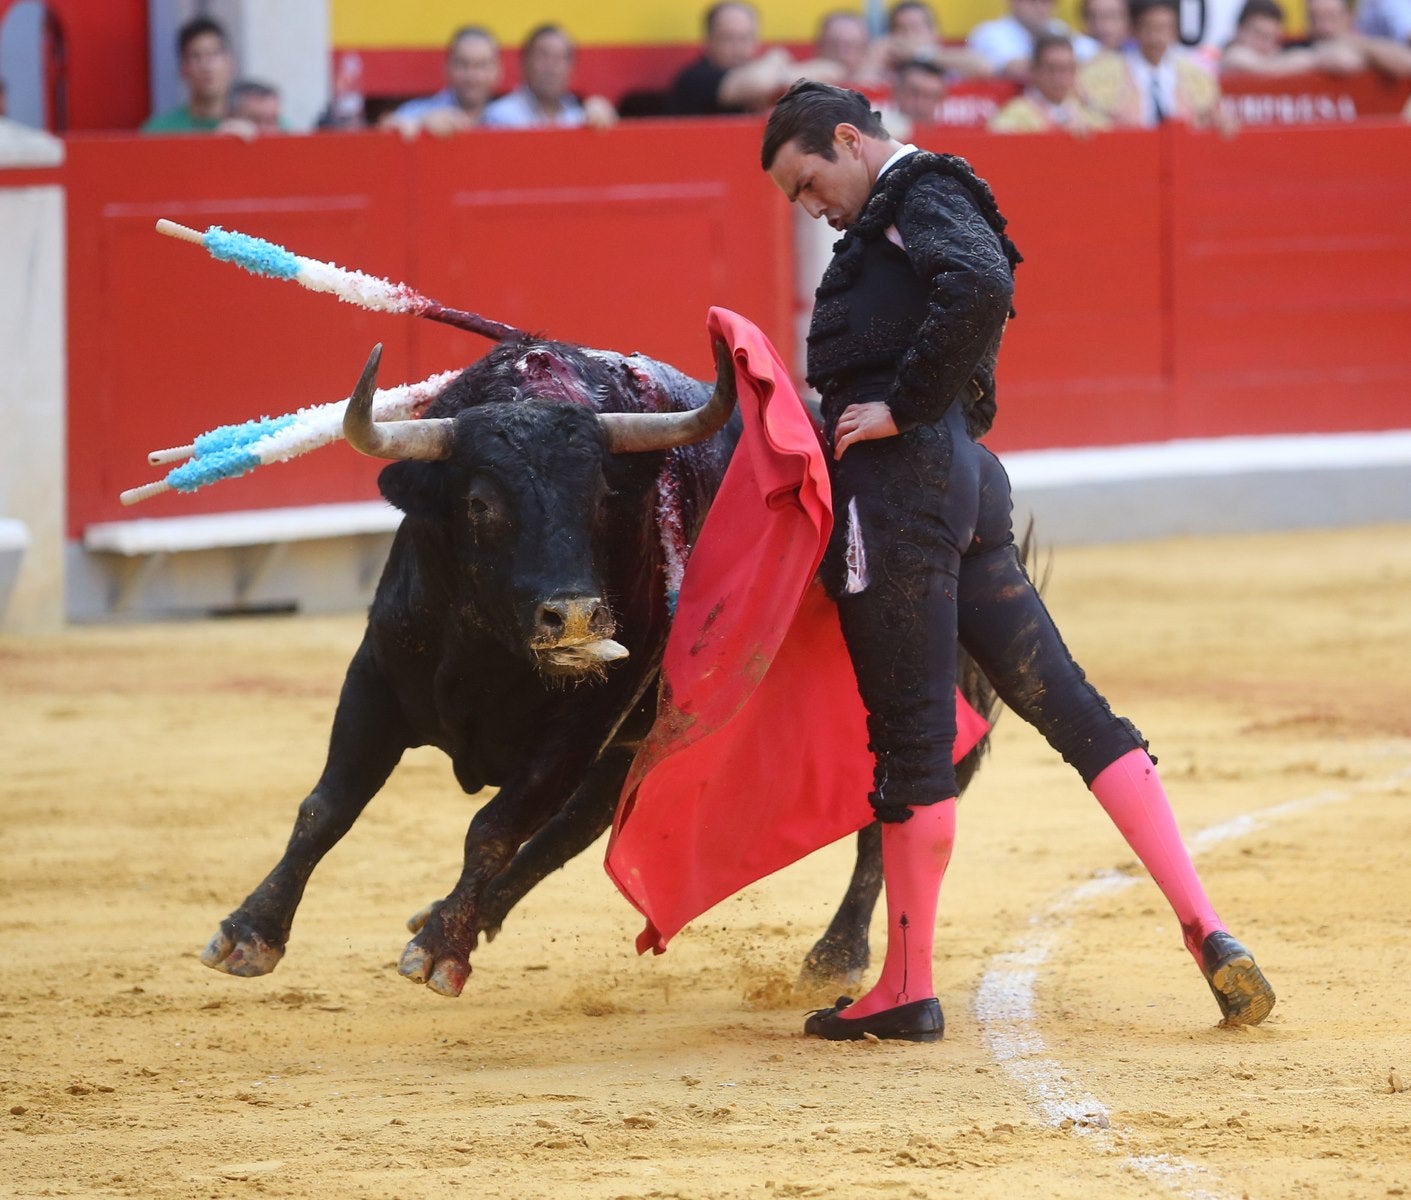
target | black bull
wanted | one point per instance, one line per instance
(534, 552)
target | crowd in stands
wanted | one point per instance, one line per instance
(1126, 67)
(216, 102)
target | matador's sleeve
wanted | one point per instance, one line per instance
(958, 255)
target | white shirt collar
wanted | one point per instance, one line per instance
(896, 158)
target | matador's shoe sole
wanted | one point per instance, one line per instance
(1244, 995)
(919, 1021)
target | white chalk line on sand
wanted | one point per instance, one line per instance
(1004, 1005)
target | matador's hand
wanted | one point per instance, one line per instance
(863, 423)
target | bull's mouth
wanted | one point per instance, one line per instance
(579, 659)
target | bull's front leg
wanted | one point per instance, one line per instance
(439, 955)
(368, 738)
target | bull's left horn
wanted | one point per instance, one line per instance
(636, 433)
(427, 440)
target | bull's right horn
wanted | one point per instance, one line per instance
(426, 441)
(636, 433)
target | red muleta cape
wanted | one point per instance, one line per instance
(759, 752)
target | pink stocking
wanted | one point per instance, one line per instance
(1131, 794)
(915, 854)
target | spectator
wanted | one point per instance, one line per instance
(543, 99)
(254, 109)
(732, 76)
(1105, 27)
(914, 35)
(1258, 45)
(1385, 19)
(347, 108)
(1155, 79)
(207, 68)
(843, 49)
(472, 76)
(1340, 48)
(916, 98)
(1051, 101)
(1007, 42)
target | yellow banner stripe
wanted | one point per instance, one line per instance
(422, 24)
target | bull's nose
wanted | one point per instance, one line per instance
(573, 619)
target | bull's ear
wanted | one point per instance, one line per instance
(414, 487)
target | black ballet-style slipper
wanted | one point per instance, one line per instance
(1244, 995)
(919, 1021)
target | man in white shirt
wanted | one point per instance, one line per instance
(543, 100)
(472, 75)
(1154, 80)
(1007, 42)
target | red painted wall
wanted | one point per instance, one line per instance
(107, 72)
(1086, 361)
(1175, 284)
(1289, 281)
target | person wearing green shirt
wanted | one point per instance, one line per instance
(207, 68)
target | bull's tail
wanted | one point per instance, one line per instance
(973, 684)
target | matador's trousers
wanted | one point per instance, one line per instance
(923, 559)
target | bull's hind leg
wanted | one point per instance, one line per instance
(368, 738)
(840, 956)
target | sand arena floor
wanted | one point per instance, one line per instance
(151, 774)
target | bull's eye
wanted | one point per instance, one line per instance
(485, 509)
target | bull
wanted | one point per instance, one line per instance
(518, 626)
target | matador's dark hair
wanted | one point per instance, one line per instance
(809, 112)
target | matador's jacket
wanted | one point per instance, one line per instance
(910, 312)
(920, 326)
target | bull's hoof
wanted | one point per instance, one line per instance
(832, 964)
(246, 957)
(446, 977)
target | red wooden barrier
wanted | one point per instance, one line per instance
(1175, 284)
(1317, 96)
(165, 343)
(620, 241)
(105, 62)
(1290, 295)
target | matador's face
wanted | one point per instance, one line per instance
(831, 189)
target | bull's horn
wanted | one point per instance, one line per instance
(635, 433)
(427, 440)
